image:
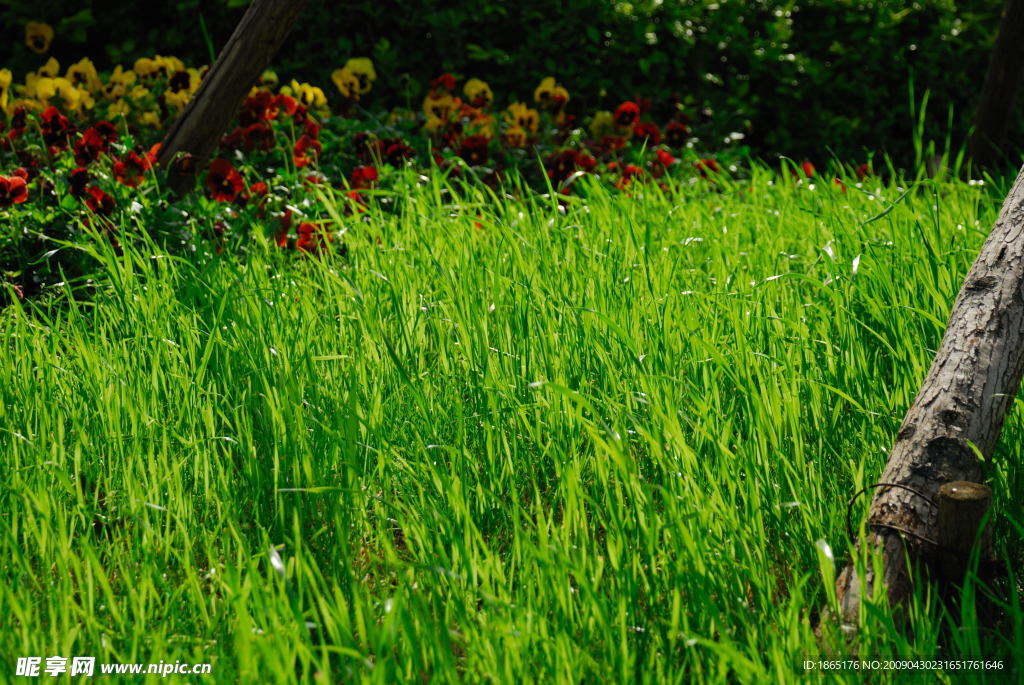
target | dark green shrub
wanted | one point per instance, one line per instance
(802, 78)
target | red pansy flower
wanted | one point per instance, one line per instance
(306, 151)
(363, 177)
(629, 172)
(223, 181)
(89, 147)
(258, 136)
(99, 202)
(13, 191)
(626, 114)
(312, 238)
(444, 81)
(648, 130)
(55, 128)
(474, 150)
(131, 170)
(706, 166)
(676, 134)
(665, 158)
(77, 181)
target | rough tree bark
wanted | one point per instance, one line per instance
(192, 138)
(964, 399)
(999, 91)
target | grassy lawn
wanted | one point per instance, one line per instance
(498, 441)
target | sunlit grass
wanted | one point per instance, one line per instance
(596, 444)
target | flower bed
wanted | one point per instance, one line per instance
(78, 151)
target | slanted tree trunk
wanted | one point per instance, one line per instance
(192, 138)
(999, 92)
(963, 401)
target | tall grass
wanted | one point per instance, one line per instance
(604, 443)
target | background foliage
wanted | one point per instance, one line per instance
(800, 78)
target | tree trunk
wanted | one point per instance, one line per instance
(194, 135)
(999, 92)
(965, 397)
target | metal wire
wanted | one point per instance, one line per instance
(875, 524)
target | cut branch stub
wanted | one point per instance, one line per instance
(194, 135)
(962, 509)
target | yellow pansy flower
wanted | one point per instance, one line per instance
(268, 79)
(478, 93)
(5, 84)
(346, 82)
(138, 93)
(550, 93)
(178, 99)
(307, 94)
(518, 114)
(603, 124)
(83, 75)
(434, 124)
(117, 85)
(149, 119)
(145, 67)
(38, 36)
(41, 88)
(483, 125)
(51, 68)
(515, 136)
(119, 108)
(362, 68)
(438, 104)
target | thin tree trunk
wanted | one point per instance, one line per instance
(963, 401)
(999, 92)
(193, 137)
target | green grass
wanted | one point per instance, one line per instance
(591, 445)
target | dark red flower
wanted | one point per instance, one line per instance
(396, 152)
(613, 143)
(565, 163)
(89, 147)
(665, 158)
(283, 103)
(77, 181)
(312, 238)
(362, 177)
(306, 151)
(676, 134)
(257, 108)
(281, 237)
(19, 120)
(224, 182)
(13, 191)
(258, 136)
(55, 127)
(585, 162)
(808, 169)
(99, 202)
(646, 130)
(444, 81)
(626, 114)
(131, 170)
(474, 150)
(706, 166)
(863, 171)
(629, 172)
(106, 131)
